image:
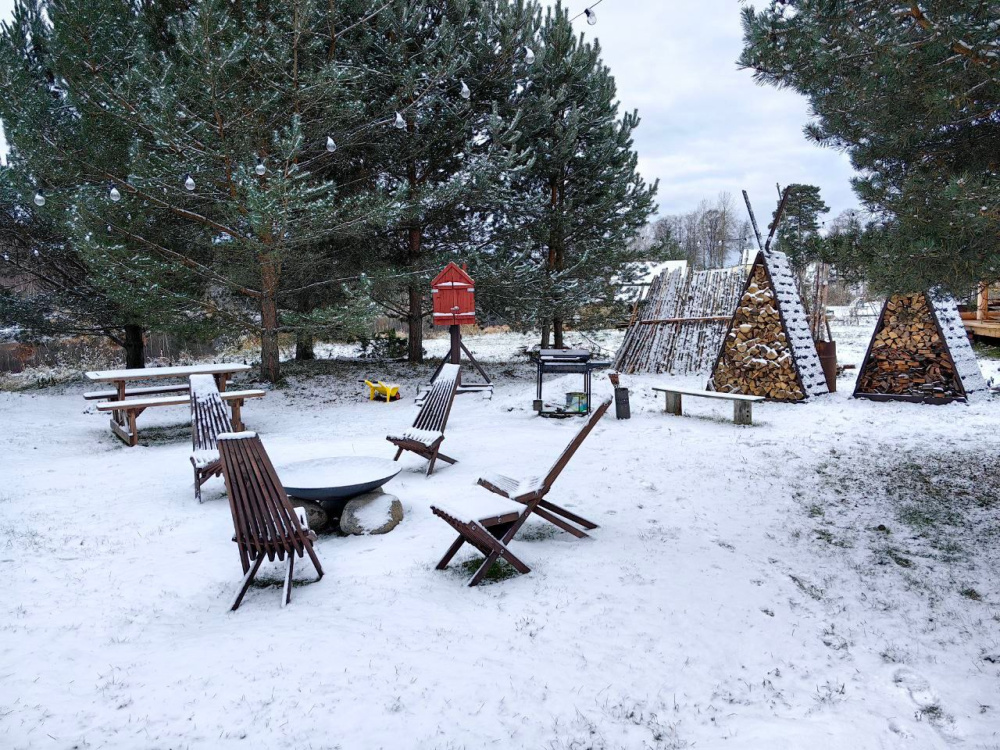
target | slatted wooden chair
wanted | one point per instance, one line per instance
(208, 420)
(490, 526)
(267, 526)
(427, 433)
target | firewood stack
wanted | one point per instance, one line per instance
(908, 355)
(756, 358)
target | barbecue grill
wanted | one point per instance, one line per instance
(564, 362)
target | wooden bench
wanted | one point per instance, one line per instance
(742, 405)
(427, 433)
(490, 527)
(266, 524)
(208, 421)
(132, 408)
(149, 390)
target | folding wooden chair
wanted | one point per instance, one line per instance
(427, 433)
(490, 528)
(266, 523)
(208, 421)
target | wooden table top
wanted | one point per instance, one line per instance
(156, 373)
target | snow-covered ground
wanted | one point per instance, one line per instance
(827, 578)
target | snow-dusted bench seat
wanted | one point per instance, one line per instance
(147, 390)
(742, 405)
(133, 407)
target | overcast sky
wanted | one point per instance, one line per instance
(706, 126)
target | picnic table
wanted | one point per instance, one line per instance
(125, 407)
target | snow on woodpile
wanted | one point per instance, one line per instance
(681, 322)
(796, 325)
(767, 349)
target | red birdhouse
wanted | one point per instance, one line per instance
(454, 297)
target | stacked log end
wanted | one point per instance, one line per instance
(756, 357)
(908, 356)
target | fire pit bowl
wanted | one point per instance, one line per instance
(339, 478)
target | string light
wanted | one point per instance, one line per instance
(189, 181)
(529, 55)
(400, 122)
(465, 93)
(114, 194)
(589, 13)
(39, 198)
(331, 145)
(260, 169)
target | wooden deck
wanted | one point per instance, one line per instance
(989, 328)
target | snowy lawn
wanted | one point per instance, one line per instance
(827, 578)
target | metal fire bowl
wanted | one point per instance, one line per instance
(339, 478)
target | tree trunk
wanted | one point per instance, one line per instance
(270, 362)
(135, 347)
(305, 340)
(557, 329)
(304, 346)
(415, 316)
(545, 335)
(415, 326)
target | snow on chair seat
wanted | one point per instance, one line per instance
(427, 433)
(510, 487)
(426, 437)
(480, 507)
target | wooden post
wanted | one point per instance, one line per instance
(673, 403)
(237, 418)
(456, 348)
(983, 307)
(743, 412)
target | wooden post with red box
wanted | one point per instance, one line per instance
(454, 294)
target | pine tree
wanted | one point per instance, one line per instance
(582, 200)
(75, 281)
(448, 68)
(910, 92)
(215, 119)
(798, 235)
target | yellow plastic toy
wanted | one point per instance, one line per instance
(380, 389)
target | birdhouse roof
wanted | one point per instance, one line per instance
(452, 276)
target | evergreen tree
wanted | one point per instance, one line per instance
(581, 201)
(448, 67)
(78, 282)
(798, 234)
(214, 120)
(911, 93)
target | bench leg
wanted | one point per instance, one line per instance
(743, 412)
(673, 403)
(237, 417)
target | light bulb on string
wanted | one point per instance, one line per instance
(529, 55)
(39, 198)
(114, 194)
(465, 93)
(331, 145)
(189, 181)
(400, 122)
(591, 16)
(260, 169)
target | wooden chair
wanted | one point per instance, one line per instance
(266, 523)
(490, 528)
(427, 433)
(208, 420)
